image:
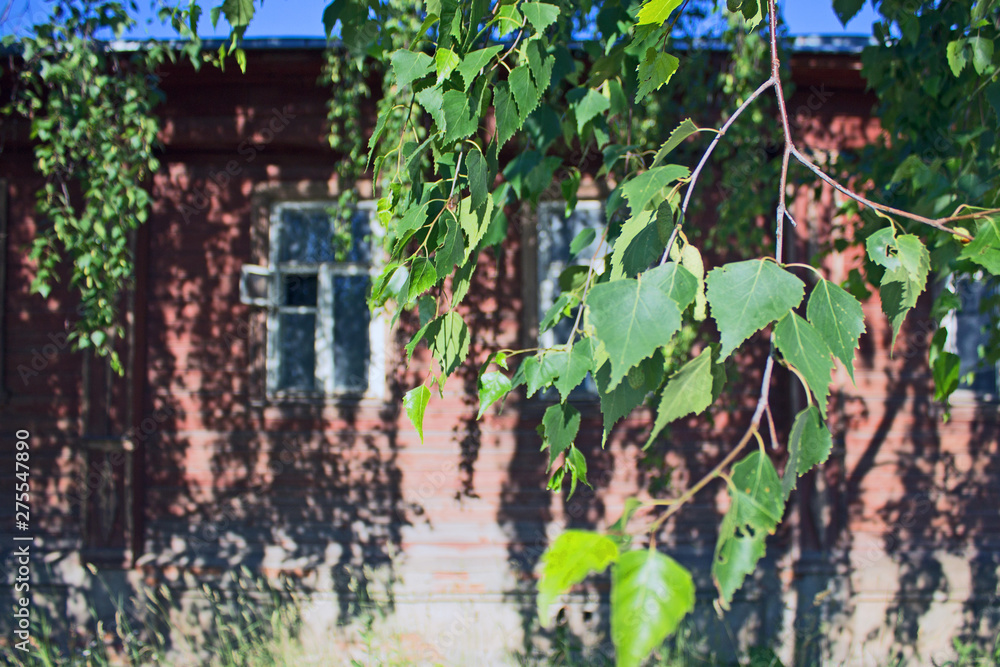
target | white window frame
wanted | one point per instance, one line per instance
(323, 310)
(950, 323)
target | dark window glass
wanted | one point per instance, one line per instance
(298, 351)
(350, 332)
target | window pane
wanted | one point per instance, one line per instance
(555, 234)
(350, 332)
(972, 332)
(312, 234)
(300, 290)
(298, 351)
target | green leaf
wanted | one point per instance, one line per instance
(415, 402)
(239, 13)
(452, 250)
(577, 464)
(804, 348)
(616, 402)
(688, 391)
(757, 503)
(984, 250)
(474, 62)
(540, 14)
(540, 66)
(631, 319)
(847, 9)
(747, 296)
(839, 319)
(676, 281)
(692, 261)
(572, 366)
(956, 56)
(589, 106)
(445, 62)
(508, 121)
(808, 445)
(913, 257)
(656, 11)
(449, 342)
(567, 561)
(560, 424)
(582, 240)
(431, 100)
(408, 66)
(492, 387)
(460, 118)
(644, 188)
(736, 554)
(525, 93)
(880, 246)
(650, 595)
(946, 369)
(899, 293)
(422, 278)
(478, 175)
(474, 222)
(982, 53)
(680, 133)
(655, 70)
(637, 246)
(331, 15)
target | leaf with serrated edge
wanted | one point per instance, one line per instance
(642, 189)
(631, 318)
(679, 284)
(572, 367)
(747, 296)
(839, 319)
(985, 248)
(539, 14)
(898, 295)
(692, 261)
(804, 348)
(525, 93)
(445, 62)
(415, 403)
(473, 62)
(736, 554)
(688, 391)
(632, 253)
(650, 595)
(492, 387)
(450, 342)
(756, 493)
(680, 133)
(568, 560)
(617, 402)
(592, 104)
(478, 175)
(408, 66)
(560, 424)
(508, 121)
(655, 70)
(808, 445)
(656, 11)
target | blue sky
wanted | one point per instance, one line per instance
(301, 18)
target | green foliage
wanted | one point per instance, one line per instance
(747, 296)
(568, 560)
(650, 594)
(808, 446)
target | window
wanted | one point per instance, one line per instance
(971, 328)
(556, 232)
(321, 338)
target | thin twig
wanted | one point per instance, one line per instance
(704, 160)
